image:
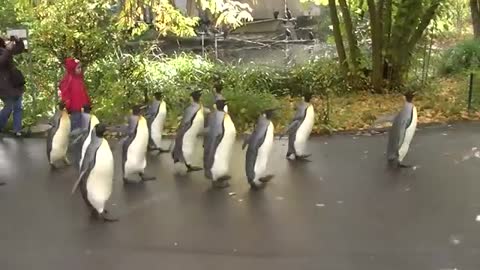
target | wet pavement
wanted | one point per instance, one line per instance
(342, 211)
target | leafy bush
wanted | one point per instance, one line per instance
(118, 81)
(462, 57)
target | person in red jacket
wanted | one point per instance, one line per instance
(73, 91)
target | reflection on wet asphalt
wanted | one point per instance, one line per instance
(344, 210)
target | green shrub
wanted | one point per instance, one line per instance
(117, 82)
(464, 56)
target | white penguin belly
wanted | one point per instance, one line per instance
(93, 122)
(60, 141)
(137, 150)
(100, 179)
(402, 152)
(304, 131)
(157, 125)
(263, 154)
(190, 137)
(223, 154)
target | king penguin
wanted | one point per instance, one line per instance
(218, 146)
(89, 121)
(401, 133)
(191, 126)
(135, 147)
(260, 144)
(300, 129)
(96, 174)
(156, 115)
(219, 96)
(58, 137)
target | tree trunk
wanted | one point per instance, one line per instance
(387, 29)
(388, 20)
(375, 11)
(191, 6)
(337, 34)
(475, 9)
(351, 37)
(403, 54)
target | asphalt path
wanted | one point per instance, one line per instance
(344, 210)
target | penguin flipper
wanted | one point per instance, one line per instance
(88, 162)
(292, 127)
(77, 183)
(397, 134)
(246, 142)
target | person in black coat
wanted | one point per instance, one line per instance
(12, 84)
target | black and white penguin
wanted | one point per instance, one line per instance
(96, 174)
(135, 147)
(401, 133)
(218, 146)
(260, 144)
(58, 137)
(300, 129)
(219, 96)
(191, 126)
(84, 133)
(156, 115)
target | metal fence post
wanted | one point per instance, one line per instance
(470, 92)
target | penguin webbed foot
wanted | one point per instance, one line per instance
(53, 167)
(102, 216)
(303, 158)
(404, 166)
(127, 181)
(254, 186)
(105, 218)
(191, 168)
(161, 151)
(146, 178)
(2, 183)
(222, 182)
(267, 178)
(67, 161)
(259, 183)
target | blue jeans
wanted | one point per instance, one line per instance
(11, 104)
(76, 120)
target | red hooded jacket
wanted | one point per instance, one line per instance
(72, 88)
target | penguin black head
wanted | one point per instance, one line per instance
(158, 95)
(218, 87)
(87, 108)
(220, 104)
(136, 110)
(196, 95)
(409, 96)
(307, 97)
(269, 113)
(100, 130)
(61, 106)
